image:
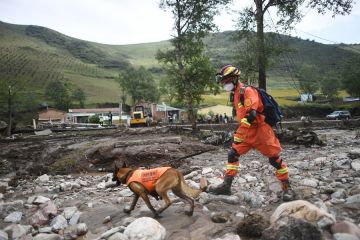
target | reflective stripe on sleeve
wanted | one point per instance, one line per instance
(282, 170)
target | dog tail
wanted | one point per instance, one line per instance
(192, 192)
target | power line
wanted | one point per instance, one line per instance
(290, 60)
(348, 46)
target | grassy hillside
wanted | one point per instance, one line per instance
(42, 55)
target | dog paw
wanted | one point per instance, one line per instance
(157, 216)
(189, 213)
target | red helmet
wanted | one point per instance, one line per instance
(227, 72)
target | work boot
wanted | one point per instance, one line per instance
(223, 188)
(288, 194)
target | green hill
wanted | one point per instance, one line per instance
(43, 55)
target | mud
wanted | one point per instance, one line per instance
(89, 156)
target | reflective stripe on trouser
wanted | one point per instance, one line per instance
(282, 173)
(232, 168)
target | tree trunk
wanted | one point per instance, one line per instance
(9, 127)
(260, 44)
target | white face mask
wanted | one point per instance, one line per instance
(229, 87)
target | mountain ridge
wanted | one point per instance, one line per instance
(45, 55)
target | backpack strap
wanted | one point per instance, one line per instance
(242, 92)
(242, 97)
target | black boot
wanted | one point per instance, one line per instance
(223, 188)
(288, 194)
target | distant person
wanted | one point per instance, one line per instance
(110, 118)
(221, 118)
(101, 120)
(217, 118)
(208, 118)
(226, 118)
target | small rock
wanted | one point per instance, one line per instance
(220, 217)
(40, 200)
(43, 178)
(14, 217)
(107, 219)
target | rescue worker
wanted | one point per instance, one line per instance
(253, 132)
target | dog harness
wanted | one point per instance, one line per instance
(147, 177)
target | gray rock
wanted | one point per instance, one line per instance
(43, 178)
(3, 235)
(75, 218)
(49, 208)
(101, 185)
(74, 231)
(38, 219)
(341, 193)
(310, 182)
(250, 178)
(346, 227)
(126, 193)
(65, 186)
(45, 230)
(145, 228)
(355, 164)
(69, 212)
(40, 200)
(255, 199)
(342, 164)
(220, 217)
(110, 232)
(229, 236)
(58, 223)
(191, 175)
(8, 207)
(354, 153)
(344, 236)
(353, 199)
(205, 198)
(45, 236)
(14, 217)
(17, 231)
(118, 236)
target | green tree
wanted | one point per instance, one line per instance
(79, 95)
(138, 84)
(330, 85)
(13, 91)
(351, 77)
(309, 78)
(60, 93)
(288, 12)
(188, 67)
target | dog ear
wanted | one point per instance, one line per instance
(124, 164)
(116, 165)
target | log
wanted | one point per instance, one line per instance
(120, 144)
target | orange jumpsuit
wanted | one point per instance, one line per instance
(147, 177)
(258, 135)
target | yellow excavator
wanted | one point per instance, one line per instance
(141, 117)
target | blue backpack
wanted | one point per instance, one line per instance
(271, 111)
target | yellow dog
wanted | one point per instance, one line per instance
(157, 182)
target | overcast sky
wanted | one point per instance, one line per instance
(140, 21)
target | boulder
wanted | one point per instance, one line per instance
(145, 228)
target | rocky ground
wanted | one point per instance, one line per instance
(37, 201)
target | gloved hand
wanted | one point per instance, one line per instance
(242, 131)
